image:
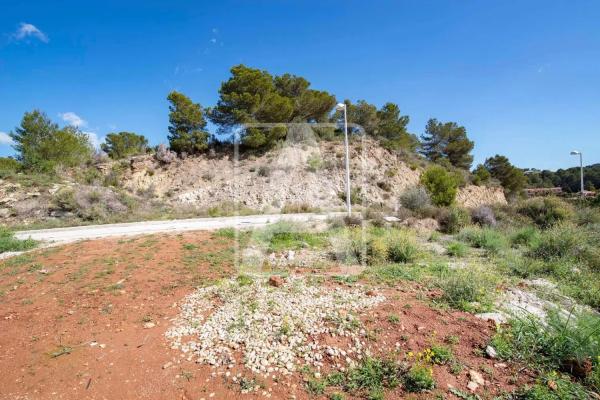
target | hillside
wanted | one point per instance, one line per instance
(290, 178)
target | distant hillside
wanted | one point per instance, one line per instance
(568, 179)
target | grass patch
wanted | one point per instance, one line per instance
(488, 239)
(8, 242)
(372, 376)
(470, 289)
(456, 249)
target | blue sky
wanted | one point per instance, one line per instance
(522, 76)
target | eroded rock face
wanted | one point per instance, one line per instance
(312, 175)
(474, 196)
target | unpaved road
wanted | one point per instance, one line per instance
(73, 234)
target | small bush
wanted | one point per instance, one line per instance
(297, 208)
(377, 251)
(315, 162)
(561, 241)
(441, 185)
(553, 386)
(419, 378)
(441, 355)
(8, 166)
(587, 216)
(468, 290)
(373, 374)
(456, 249)
(560, 342)
(486, 238)
(453, 219)
(164, 155)
(526, 236)
(401, 248)
(547, 211)
(483, 216)
(415, 198)
(264, 171)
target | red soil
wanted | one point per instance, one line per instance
(75, 323)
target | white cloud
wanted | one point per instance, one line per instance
(28, 30)
(95, 140)
(73, 119)
(5, 139)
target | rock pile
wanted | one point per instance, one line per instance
(271, 328)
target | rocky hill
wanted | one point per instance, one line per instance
(295, 177)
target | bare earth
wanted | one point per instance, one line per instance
(87, 320)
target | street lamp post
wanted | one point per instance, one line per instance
(575, 153)
(340, 107)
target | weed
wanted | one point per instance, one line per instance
(315, 387)
(468, 290)
(393, 319)
(373, 374)
(244, 280)
(553, 386)
(62, 350)
(456, 249)
(484, 238)
(419, 378)
(441, 354)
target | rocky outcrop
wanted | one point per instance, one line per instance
(312, 175)
(474, 196)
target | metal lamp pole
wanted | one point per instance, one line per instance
(340, 107)
(575, 153)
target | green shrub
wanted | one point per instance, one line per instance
(560, 342)
(553, 386)
(441, 354)
(401, 248)
(527, 236)
(419, 378)
(441, 185)
(547, 211)
(587, 216)
(8, 166)
(561, 241)
(8, 242)
(456, 249)
(377, 251)
(415, 198)
(468, 290)
(453, 219)
(315, 162)
(486, 238)
(373, 374)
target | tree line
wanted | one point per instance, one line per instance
(567, 179)
(253, 96)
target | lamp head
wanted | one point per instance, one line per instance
(575, 153)
(340, 106)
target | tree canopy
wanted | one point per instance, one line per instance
(447, 141)
(124, 144)
(386, 124)
(253, 96)
(187, 129)
(42, 146)
(511, 178)
(568, 179)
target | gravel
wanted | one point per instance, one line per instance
(272, 329)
